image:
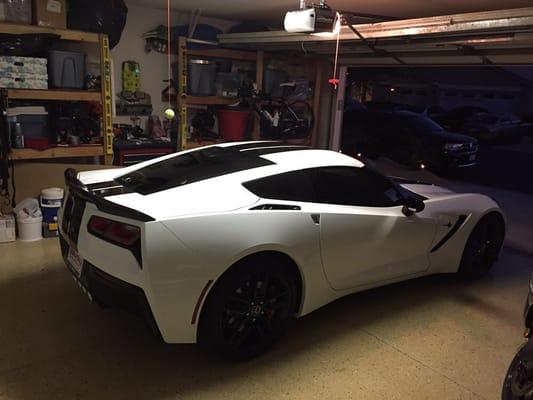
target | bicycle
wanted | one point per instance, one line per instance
(280, 118)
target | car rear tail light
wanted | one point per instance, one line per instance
(119, 233)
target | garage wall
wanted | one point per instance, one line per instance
(31, 177)
(153, 65)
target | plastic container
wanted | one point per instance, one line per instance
(66, 69)
(41, 143)
(227, 84)
(50, 201)
(273, 79)
(7, 228)
(17, 11)
(201, 77)
(30, 229)
(301, 91)
(34, 126)
(233, 124)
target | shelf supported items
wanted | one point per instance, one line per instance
(182, 93)
(107, 99)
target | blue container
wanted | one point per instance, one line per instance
(51, 200)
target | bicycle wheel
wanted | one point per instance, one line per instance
(297, 120)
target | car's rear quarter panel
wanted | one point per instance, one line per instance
(215, 242)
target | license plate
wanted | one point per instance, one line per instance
(473, 157)
(75, 261)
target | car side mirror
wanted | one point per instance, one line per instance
(413, 205)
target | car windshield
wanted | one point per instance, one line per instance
(418, 123)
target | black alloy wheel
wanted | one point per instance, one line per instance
(518, 384)
(483, 247)
(249, 309)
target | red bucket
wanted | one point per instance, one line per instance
(233, 124)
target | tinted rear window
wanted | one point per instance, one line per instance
(189, 168)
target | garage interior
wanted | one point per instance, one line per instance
(432, 337)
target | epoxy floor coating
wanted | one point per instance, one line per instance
(431, 338)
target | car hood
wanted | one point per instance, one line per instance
(449, 137)
(428, 190)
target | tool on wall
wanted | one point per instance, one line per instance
(133, 101)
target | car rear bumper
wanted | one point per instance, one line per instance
(109, 291)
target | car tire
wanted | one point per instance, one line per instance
(517, 384)
(249, 308)
(483, 247)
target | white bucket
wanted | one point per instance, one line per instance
(30, 229)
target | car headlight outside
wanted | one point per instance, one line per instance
(452, 146)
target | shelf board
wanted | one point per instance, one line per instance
(53, 94)
(65, 34)
(204, 100)
(194, 143)
(58, 152)
(224, 54)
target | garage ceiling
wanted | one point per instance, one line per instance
(272, 11)
(491, 37)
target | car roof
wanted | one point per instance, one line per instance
(229, 162)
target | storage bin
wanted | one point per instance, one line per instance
(20, 82)
(16, 11)
(66, 69)
(33, 121)
(7, 228)
(25, 65)
(227, 84)
(301, 91)
(201, 75)
(233, 124)
(37, 143)
(273, 79)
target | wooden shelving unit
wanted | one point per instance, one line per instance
(183, 101)
(58, 152)
(64, 34)
(53, 94)
(103, 96)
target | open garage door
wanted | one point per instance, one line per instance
(503, 37)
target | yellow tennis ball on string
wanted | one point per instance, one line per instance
(169, 113)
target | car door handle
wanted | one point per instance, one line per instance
(316, 218)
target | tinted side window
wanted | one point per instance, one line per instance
(291, 186)
(353, 187)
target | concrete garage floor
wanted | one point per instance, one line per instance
(432, 338)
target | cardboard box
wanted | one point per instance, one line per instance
(7, 228)
(50, 13)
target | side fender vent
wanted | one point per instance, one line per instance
(458, 224)
(276, 207)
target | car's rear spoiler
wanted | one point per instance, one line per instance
(76, 187)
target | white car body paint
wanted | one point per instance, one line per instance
(201, 229)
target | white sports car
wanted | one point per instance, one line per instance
(227, 244)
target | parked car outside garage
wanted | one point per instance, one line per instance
(496, 128)
(409, 138)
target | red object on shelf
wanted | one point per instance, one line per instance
(233, 124)
(41, 143)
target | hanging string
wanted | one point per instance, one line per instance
(335, 80)
(169, 49)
